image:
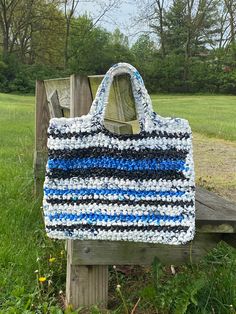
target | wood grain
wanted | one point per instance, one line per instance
(85, 285)
(80, 95)
(128, 253)
(62, 86)
(214, 213)
(41, 125)
(121, 106)
(54, 106)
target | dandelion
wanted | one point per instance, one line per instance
(52, 259)
(118, 287)
(114, 266)
(42, 279)
(36, 271)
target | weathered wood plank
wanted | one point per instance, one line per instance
(124, 99)
(41, 124)
(62, 86)
(54, 106)
(221, 208)
(80, 95)
(84, 282)
(121, 105)
(213, 213)
(85, 285)
(128, 253)
(118, 127)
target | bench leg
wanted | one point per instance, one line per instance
(85, 285)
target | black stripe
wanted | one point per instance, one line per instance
(102, 130)
(115, 173)
(111, 152)
(59, 201)
(92, 228)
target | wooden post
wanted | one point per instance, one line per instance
(41, 124)
(85, 285)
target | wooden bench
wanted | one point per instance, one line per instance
(87, 261)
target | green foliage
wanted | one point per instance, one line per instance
(19, 77)
(189, 51)
(93, 49)
(219, 291)
(196, 25)
(176, 26)
(172, 294)
(87, 46)
(176, 293)
(118, 49)
(145, 53)
(209, 286)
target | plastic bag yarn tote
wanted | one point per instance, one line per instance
(105, 186)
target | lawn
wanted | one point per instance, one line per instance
(21, 236)
(25, 253)
(214, 116)
(18, 215)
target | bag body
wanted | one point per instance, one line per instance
(105, 186)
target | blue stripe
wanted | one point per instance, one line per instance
(118, 192)
(117, 163)
(96, 217)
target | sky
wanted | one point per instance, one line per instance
(122, 17)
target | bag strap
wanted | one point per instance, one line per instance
(143, 102)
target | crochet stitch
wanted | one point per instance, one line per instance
(105, 186)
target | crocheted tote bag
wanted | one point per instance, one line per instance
(104, 186)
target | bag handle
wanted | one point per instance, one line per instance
(142, 99)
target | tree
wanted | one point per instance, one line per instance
(46, 41)
(118, 49)
(230, 6)
(27, 26)
(69, 11)
(70, 8)
(147, 58)
(152, 13)
(7, 8)
(87, 47)
(157, 23)
(144, 49)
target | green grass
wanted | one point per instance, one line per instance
(23, 245)
(22, 239)
(205, 288)
(19, 217)
(214, 116)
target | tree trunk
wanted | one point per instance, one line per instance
(5, 30)
(161, 20)
(231, 11)
(66, 42)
